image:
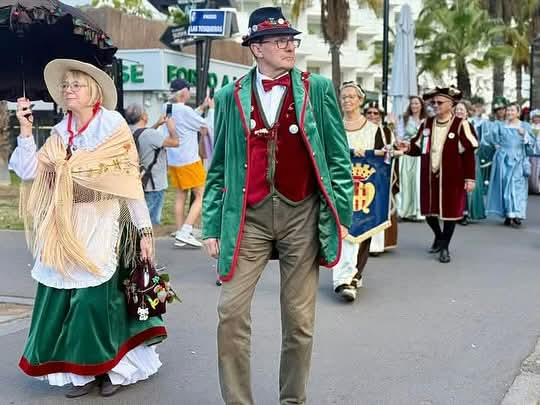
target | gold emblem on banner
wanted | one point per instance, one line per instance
(364, 192)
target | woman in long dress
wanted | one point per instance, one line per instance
(86, 220)
(508, 189)
(534, 178)
(475, 208)
(387, 239)
(409, 166)
(362, 135)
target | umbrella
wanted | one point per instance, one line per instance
(403, 81)
(34, 32)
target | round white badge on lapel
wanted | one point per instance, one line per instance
(253, 123)
(451, 135)
(426, 132)
(293, 129)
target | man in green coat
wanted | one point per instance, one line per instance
(279, 186)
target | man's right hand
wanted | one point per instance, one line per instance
(25, 120)
(212, 247)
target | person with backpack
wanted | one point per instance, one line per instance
(151, 145)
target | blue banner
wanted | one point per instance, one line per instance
(371, 196)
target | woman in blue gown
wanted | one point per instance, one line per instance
(508, 191)
(475, 208)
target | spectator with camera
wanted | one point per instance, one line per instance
(151, 145)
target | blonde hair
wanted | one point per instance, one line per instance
(94, 89)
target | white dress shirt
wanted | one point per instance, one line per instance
(271, 100)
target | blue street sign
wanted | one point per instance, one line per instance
(209, 23)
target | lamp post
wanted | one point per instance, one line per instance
(386, 18)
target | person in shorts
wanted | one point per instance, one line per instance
(186, 170)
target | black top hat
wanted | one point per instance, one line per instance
(453, 93)
(266, 21)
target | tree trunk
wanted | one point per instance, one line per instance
(535, 74)
(463, 79)
(519, 84)
(498, 79)
(496, 10)
(336, 67)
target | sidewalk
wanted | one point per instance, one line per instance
(526, 387)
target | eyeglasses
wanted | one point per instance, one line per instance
(74, 86)
(283, 43)
(438, 102)
(373, 113)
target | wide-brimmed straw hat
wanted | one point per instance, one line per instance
(54, 75)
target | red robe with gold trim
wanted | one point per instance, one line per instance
(442, 193)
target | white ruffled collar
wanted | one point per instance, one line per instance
(99, 130)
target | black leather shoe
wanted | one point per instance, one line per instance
(517, 221)
(108, 389)
(507, 222)
(435, 248)
(444, 256)
(464, 221)
(77, 391)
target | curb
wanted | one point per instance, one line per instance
(525, 389)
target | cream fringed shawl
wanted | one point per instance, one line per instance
(111, 171)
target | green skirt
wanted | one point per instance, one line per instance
(84, 331)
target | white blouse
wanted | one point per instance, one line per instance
(99, 236)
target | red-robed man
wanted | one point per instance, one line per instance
(445, 144)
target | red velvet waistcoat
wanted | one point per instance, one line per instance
(279, 160)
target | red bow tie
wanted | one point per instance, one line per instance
(282, 81)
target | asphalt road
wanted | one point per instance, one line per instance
(420, 332)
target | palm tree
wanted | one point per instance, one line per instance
(456, 35)
(500, 10)
(335, 16)
(520, 37)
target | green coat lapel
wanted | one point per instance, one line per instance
(242, 97)
(298, 80)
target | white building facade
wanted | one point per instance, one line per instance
(357, 53)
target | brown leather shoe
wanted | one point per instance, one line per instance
(77, 391)
(108, 389)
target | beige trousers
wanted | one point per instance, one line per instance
(292, 231)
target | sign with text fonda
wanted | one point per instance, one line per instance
(209, 23)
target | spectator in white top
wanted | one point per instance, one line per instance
(186, 169)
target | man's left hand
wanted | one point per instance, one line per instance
(470, 185)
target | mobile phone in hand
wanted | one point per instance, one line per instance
(168, 111)
(211, 93)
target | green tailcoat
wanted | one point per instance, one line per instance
(321, 126)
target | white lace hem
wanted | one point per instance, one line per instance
(138, 364)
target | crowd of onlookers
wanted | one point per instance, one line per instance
(176, 149)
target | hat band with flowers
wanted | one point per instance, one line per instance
(266, 21)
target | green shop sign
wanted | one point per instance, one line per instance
(177, 72)
(135, 74)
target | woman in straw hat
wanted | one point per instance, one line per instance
(86, 220)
